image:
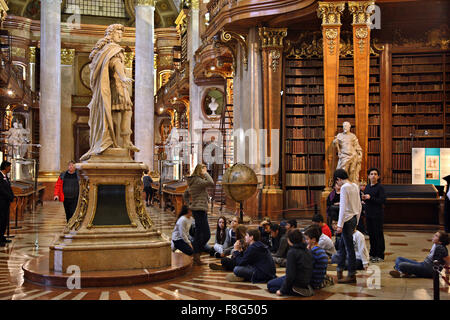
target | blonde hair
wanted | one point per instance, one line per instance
(198, 170)
(106, 39)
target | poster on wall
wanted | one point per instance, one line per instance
(430, 165)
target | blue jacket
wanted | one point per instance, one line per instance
(258, 256)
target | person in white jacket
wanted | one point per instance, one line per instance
(180, 233)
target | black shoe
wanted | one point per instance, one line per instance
(7, 241)
(217, 255)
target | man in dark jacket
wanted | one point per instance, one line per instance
(280, 256)
(67, 189)
(299, 268)
(6, 197)
(256, 263)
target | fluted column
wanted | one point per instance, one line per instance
(50, 87)
(144, 108)
(361, 57)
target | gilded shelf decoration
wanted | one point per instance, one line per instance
(129, 59)
(275, 55)
(308, 45)
(331, 35)
(67, 56)
(32, 54)
(361, 34)
(330, 12)
(146, 2)
(83, 203)
(18, 52)
(140, 209)
(439, 37)
(272, 37)
(361, 10)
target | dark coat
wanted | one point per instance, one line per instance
(196, 196)
(374, 206)
(299, 268)
(6, 193)
(258, 256)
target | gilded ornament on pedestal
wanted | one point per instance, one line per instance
(32, 54)
(361, 34)
(275, 55)
(331, 35)
(140, 209)
(129, 59)
(83, 203)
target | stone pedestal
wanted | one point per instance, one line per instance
(110, 229)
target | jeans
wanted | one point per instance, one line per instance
(418, 269)
(228, 263)
(183, 247)
(376, 236)
(245, 272)
(202, 232)
(346, 248)
(148, 194)
(359, 264)
(70, 206)
(275, 284)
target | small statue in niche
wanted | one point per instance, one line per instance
(349, 152)
(16, 137)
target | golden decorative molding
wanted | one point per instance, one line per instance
(330, 12)
(165, 61)
(272, 37)
(438, 37)
(140, 209)
(146, 3)
(83, 203)
(129, 59)
(195, 4)
(361, 33)
(361, 11)
(32, 51)
(275, 55)
(18, 52)
(308, 45)
(331, 35)
(67, 56)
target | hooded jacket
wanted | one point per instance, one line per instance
(258, 256)
(299, 268)
(197, 193)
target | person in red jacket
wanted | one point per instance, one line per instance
(67, 189)
(318, 220)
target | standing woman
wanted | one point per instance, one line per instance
(148, 188)
(374, 198)
(197, 198)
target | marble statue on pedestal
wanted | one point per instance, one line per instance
(349, 152)
(111, 106)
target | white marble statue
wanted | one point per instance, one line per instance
(213, 105)
(349, 152)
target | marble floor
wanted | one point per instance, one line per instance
(200, 283)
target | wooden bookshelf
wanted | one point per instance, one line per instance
(346, 93)
(304, 161)
(374, 146)
(418, 107)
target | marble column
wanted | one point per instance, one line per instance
(144, 108)
(195, 120)
(50, 87)
(67, 88)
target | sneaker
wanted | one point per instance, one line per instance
(216, 266)
(304, 292)
(395, 274)
(234, 278)
(379, 259)
(217, 255)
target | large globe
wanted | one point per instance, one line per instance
(239, 182)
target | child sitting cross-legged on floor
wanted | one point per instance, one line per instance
(180, 234)
(299, 268)
(228, 263)
(254, 264)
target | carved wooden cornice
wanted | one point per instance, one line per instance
(330, 12)
(227, 36)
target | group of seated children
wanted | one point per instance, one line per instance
(251, 254)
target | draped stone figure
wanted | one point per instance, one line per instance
(349, 152)
(111, 107)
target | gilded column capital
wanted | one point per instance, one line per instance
(330, 12)
(32, 54)
(272, 37)
(67, 56)
(195, 4)
(361, 11)
(146, 2)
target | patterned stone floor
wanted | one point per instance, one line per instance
(39, 229)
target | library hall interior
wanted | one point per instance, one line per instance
(242, 150)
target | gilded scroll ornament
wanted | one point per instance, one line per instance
(275, 55)
(227, 36)
(361, 34)
(140, 209)
(330, 12)
(32, 54)
(77, 219)
(331, 35)
(18, 52)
